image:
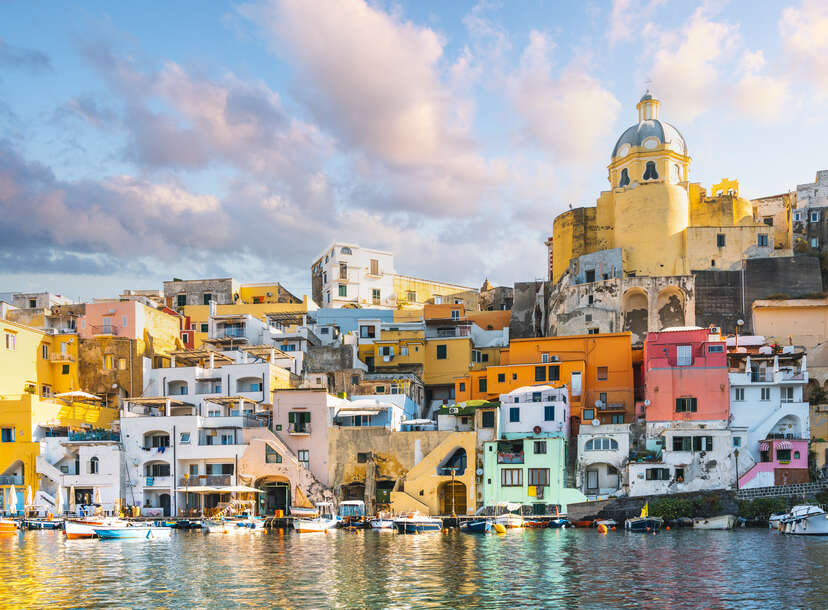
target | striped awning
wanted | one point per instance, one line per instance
(764, 447)
(784, 445)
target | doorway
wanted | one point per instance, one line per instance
(592, 481)
(453, 498)
(276, 496)
(164, 500)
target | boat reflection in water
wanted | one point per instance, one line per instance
(416, 523)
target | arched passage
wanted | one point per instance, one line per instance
(670, 307)
(455, 462)
(789, 426)
(601, 478)
(635, 305)
(276, 496)
(452, 498)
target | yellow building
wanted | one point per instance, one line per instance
(414, 292)
(398, 346)
(200, 314)
(664, 224)
(34, 366)
(267, 292)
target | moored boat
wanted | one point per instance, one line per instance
(352, 514)
(806, 520)
(510, 521)
(416, 523)
(129, 531)
(7, 526)
(644, 523)
(85, 528)
(383, 521)
(322, 522)
(561, 522)
(476, 526)
(720, 522)
(220, 526)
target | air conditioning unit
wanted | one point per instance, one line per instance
(454, 410)
(387, 358)
(554, 358)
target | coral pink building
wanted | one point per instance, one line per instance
(686, 376)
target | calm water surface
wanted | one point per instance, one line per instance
(752, 568)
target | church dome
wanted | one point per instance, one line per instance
(650, 129)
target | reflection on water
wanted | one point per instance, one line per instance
(682, 568)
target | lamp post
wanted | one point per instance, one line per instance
(739, 324)
(453, 513)
(736, 455)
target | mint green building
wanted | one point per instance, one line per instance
(529, 471)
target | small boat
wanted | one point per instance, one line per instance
(510, 521)
(42, 524)
(322, 522)
(806, 520)
(220, 526)
(352, 514)
(721, 522)
(187, 524)
(582, 523)
(476, 526)
(7, 527)
(561, 522)
(644, 523)
(383, 521)
(251, 524)
(775, 520)
(120, 532)
(85, 528)
(534, 523)
(416, 523)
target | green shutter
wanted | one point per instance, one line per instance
(307, 417)
(291, 417)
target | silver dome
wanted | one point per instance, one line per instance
(636, 134)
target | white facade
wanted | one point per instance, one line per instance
(245, 330)
(813, 194)
(352, 275)
(603, 453)
(767, 400)
(535, 411)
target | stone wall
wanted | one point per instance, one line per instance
(529, 310)
(800, 489)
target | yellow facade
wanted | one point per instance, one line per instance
(407, 348)
(36, 362)
(200, 314)
(413, 291)
(792, 321)
(651, 208)
(456, 363)
(264, 293)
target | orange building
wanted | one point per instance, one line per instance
(597, 369)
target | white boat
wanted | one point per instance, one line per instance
(119, 532)
(322, 522)
(510, 521)
(220, 526)
(416, 523)
(720, 522)
(806, 520)
(775, 520)
(383, 521)
(251, 524)
(85, 528)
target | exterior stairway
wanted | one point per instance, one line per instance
(47, 470)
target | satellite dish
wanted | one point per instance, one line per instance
(647, 402)
(536, 429)
(598, 403)
(479, 472)
(596, 422)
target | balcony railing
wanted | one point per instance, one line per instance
(11, 480)
(106, 329)
(210, 480)
(94, 435)
(60, 357)
(230, 332)
(612, 406)
(509, 458)
(299, 428)
(448, 332)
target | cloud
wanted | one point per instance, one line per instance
(761, 96)
(86, 108)
(803, 30)
(569, 115)
(26, 59)
(628, 17)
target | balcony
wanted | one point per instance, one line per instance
(60, 358)
(105, 330)
(158, 481)
(209, 480)
(448, 332)
(11, 480)
(94, 435)
(299, 429)
(612, 406)
(230, 332)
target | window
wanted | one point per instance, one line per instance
(625, 178)
(184, 438)
(441, 352)
(739, 394)
(205, 327)
(650, 172)
(814, 216)
(764, 456)
(549, 413)
(272, 456)
(715, 349)
(32, 303)
(462, 387)
(44, 351)
(544, 358)
(762, 240)
(514, 376)
(765, 393)
(539, 477)
(345, 250)
(787, 393)
(511, 477)
(158, 470)
(658, 474)
(403, 350)
(181, 300)
(540, 373)
(617, 419)
(375, 295)
(501, 377)
(514, 414)
(411, 296)
(797, 216)
(327, 296)
(592, 331)
(109, 361)
(488, 419)
(590, 276)
(737, 441)
(367, 332)
(679, 475)
(455, 314)
(720, 240)
(11, 341)
(601, 444)
(354, 379)
(692, 443)
(783, 455)
(540, 447)
(603, 373)
(590, 301)
(554, 373)
(93, 465)
(304, 456)
(185, 337)
(686, 405)
(482, 385)
(207, 298)
(7, 435)
(796, 455)
(536, 396)
(374, 266)
(684, 355)
(64, 370)
(343, 290)
(343, 271)
(589, 414)
(588, 317)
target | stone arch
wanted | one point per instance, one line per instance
(635, 307)
(455, 461)
(670, 307)
(789, 426)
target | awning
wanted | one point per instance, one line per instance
(417, 422)
(764, 447)
(77, 394)
(225, 489)
(355, 412)
(784, 445)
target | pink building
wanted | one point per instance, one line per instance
(117, 318)
(300, 420)
(686, 376)
(781, 462)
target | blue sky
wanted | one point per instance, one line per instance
(144, 140)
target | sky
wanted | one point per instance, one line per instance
(145, 141)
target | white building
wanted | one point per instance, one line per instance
(603, 453)
(349, 275)
(540, 411)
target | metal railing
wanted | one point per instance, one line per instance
(105, 329)
(95, 435)
(11, 480)
(448, 332)
(61, 357)
(210, 480)
(612, 406)
(302, 428)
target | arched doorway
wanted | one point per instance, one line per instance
(635, 308)
(454, 462)
(276, 496)
(164, 500)
(453, 498)
(670, 307)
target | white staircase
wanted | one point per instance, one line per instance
(49, 471)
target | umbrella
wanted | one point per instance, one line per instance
(59, 500)
(29, 501)
(13, 500)
(77, 394)
(71, 499)
(98, 495)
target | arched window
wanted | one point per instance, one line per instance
(625, 178)
(93, 466)
(650, 172)
(345, 250)
(272, 456)
(601, 444)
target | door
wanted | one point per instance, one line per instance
(592, 480)
(165, 504)
(575, 386)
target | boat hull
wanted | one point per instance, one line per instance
(477, 527)
(643, 524)
(133, 533)
(382, 524)
(722, 522)
(510, 521)
(812, 525)
(417, 527)
(558, 523)
(7, 527)
(314, 526)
